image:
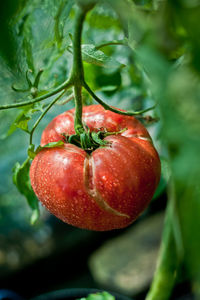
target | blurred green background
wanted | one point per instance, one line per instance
(158, 63)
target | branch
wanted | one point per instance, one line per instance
(108, 107)
(65, 85)
(170, 257)
(43, 114)
(112, 43)
(77, 73)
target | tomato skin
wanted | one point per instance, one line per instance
(105, 190)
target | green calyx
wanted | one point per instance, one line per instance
(90, 140)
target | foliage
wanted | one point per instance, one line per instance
(159, 50)
(99, 296)
(22, 181)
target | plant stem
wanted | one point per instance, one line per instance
(77, 67)
(112, 43)
(65, 85)
(77, 73)
(43, 114)
(69, 98)
(78, 125)
(108, 107)
(168, 262)
(37, 78)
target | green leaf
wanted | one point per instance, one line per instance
(39, 148)
(165, 169)
(99, 296)
(109, 88)
(20, 122)
(103, 18)
(8, 43)
(108, 82)
(35, 216)
(22, 181)
(93, 56)
(60, 19)
(23, 118)
(165, 176)
(97, 138)
(31, 152)
(27, 43)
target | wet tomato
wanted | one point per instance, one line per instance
(106, 189)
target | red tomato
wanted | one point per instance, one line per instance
(106, 189)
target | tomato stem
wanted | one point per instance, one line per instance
(64, 86)
(169, 257)
(78, 125)
(43, 114)
(108, 107)
(77, 73)
(112, 43)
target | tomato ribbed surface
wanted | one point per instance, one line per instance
(106, 189)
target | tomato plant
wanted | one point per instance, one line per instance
(105, 189)
(133, 54)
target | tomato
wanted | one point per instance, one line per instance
(106, 189)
